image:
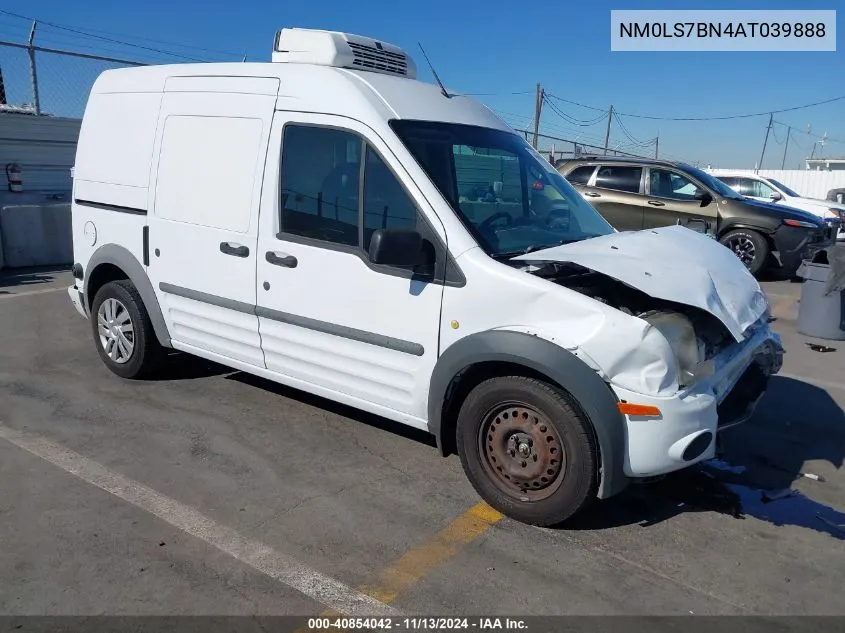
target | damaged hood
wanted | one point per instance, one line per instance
(672, 263)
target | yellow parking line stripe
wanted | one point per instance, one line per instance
(416, 563)
(419, 561)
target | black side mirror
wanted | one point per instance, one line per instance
(704, 197)
(396, 247)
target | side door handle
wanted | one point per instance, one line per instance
(237, 250)
(281, 259)
(592, 194)
(656, 203)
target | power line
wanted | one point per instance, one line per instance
(496, 94)
(709, 118)
(631, 136)
(796, 129)
(572, 120)
(100, 37)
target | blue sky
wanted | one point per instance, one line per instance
(502, 48)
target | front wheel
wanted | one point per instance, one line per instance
(750, 247)
(527, 450)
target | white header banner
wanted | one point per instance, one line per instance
(704, 30)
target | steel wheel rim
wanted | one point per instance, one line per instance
(743, 248)
(521, 451)
(116, 331)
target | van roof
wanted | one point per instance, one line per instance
(323, 89)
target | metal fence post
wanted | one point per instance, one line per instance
(33, 73)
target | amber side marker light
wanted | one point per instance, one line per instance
(629, 408)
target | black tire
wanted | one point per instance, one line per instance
(146, 352)
(489, 423)
(749, 246)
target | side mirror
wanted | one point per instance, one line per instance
(776, 195)
(704, 197)
(396, 247)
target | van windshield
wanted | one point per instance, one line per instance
(508, 197)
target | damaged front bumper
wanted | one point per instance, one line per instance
(685, 431)
(793, 245)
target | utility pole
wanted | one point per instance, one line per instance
(538, 108)
(766, 140)
(788, 133)
(656, 145)
(607, 134)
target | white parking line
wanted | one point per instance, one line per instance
(261, 557)
(26, 293)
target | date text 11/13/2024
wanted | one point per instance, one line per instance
(416, 624)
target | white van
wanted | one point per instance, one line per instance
(331, 223)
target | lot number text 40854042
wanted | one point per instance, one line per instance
(417, 624)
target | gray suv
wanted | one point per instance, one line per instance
(636, 194)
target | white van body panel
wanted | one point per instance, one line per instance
(333, 289)
(179, 168)
(201, 142)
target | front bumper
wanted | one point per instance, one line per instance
(685, 432)
(77, 298)
(795, 244)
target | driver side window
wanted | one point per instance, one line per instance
(760, 189)
(669, 184)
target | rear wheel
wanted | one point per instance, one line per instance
(750, 247)
(123, 332)
(527, 450)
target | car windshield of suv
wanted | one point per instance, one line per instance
(783, 188)
(712, 182)
(508, 197)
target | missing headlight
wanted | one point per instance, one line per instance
(689, 350)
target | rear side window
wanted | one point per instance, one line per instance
(620, 178)
(206, 172)
(581, 175)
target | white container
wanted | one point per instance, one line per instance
(820, 315)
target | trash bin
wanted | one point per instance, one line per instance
(821, 313)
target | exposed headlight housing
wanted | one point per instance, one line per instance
(689, 351)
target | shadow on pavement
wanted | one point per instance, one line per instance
(28, 276)
(795, 423)
(179, 366)
(369, 419)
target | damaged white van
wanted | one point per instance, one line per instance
(329, 222)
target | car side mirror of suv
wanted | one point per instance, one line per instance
(704, 197)
(402, 248)
(776, 196)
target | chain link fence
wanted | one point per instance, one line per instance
(560, 149)
(51, 82)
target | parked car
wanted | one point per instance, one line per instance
(303, 221)
(770, 190)
(634, 194)
(836, 195)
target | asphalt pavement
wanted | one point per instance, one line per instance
(212, 492)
